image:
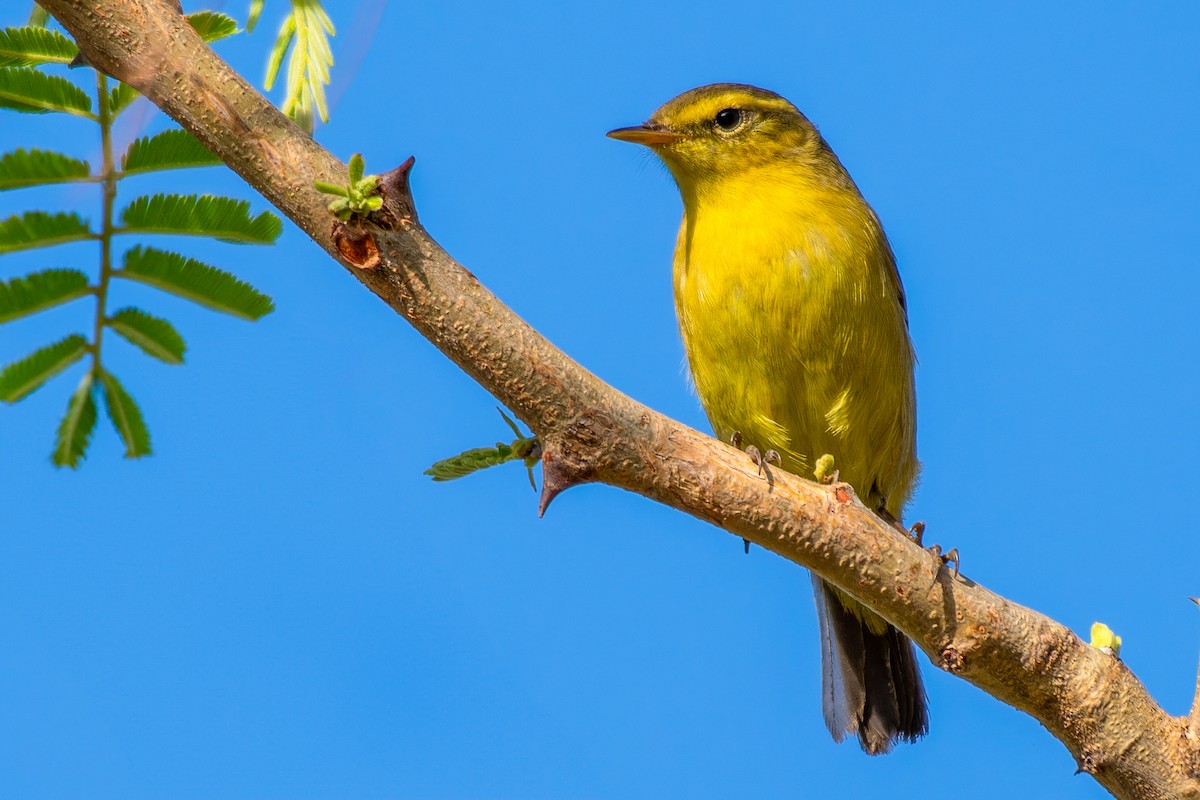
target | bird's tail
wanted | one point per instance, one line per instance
(869, 678)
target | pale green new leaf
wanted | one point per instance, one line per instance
(320, 54)
(296, 100)
(305, 32)
(22, 168)
(75, 429)
(195, 281)
(120, 97)
(20, 297)
(223, 218)
(155, 336)
(256, 7)
(39, 229)
(33, 91)
(212, 26)
(286, 33)
(32, 45)
(171, 149)
(331, 188)
(20, 378)
(301, 112)
(356, 167)
(126, 417)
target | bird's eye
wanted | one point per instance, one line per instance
(728, 119)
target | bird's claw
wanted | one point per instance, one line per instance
(948, 558)
(952, 556)
(762, 459)
(759, 458)
(917, 533)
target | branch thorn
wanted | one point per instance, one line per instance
(397, 194)
(557, 477)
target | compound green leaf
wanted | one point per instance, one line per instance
(39, 229)
(125, 416)
(212, 26)
(20, 378)
(22, 168)
(38, 291)
(33, 91)
(222, 218)
(31, 45)
(75, 429)
(195, 281)
(120, 96)
(171, 149)
(154, 335)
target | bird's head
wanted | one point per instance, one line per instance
(708, 133)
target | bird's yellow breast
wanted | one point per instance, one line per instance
(794, 328)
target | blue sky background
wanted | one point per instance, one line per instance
(279, 604)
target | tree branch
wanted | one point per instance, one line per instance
(590, 432)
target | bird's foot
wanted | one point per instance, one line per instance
(947, 558)
(917, 534)
(771, 457)
(760, 458)
(763, 459)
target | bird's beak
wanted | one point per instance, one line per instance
(649, 134)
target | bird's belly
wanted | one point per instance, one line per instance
(793, 364)
(752, 382)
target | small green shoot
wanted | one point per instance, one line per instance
(359, 197)
(527, 448)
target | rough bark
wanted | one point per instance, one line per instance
(1087, 699)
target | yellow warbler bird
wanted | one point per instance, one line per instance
(796, 332)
